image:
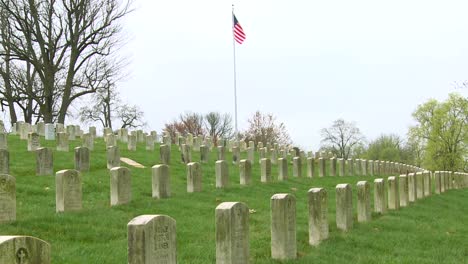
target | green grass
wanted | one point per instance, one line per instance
(433, 230)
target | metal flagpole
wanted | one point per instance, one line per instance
(235, 84)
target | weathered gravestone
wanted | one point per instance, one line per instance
(333, 166)
(380, 196)
(393, 193)
(44, 161)
(68, 192)
(403, 187)
(3, 141)
(321, 165)
(282, 169)
(235, 155)
(7, 199)
(265, 170)
(23, 250)
(120, 186)
(62, 141)
(92, 131)
(310, 167)
(232, 233)
(204, 154)
(318, 215)
(113, 157)
(245, 169)
(82, 159)
(342, 165)
(222, 174)
(150, 142)
(111, 140)
(165, 154)
(221, 154)
(161, 181)
(4, 161)
(132, 143)
(297, 167)
(33, 141)
(152, 239)
(250, 155)
(344, 207)
(194, 177)
(87, 141)
(364, 202)
(71, 132)
(283, 226)
(186, 154)
(412, 187)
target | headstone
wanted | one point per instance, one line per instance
(150, 142)
(121, 186)
(60, 128)
(318, 215)
(364, 202)
(71, 132)
(261, 154)
(196, 144)
(297, 167)
(4, 161)
(87, 141)
(419, 185)
(342, 165)
(111, 140)
(427, 183)
(194, 177)
(310, 167)
(232, 233)
(167, 140)
(152, 239)
(380, 196)
(68, 193)
(350, 167)
(437, 180)
(333, 167)
(92, 131)
(82, 159)
(412, 187)
(204, 154)
(165, 154)
(44, 161)
(251, 144)
(245, 168)
(222, 174)
(371, 168)
(344, 207)
(393, 193)
(24, 250)
(140, 136)
(282, 169)
(221, 154)
(321, 163)
(235, 155)
(364, 167)
(132, 142)
(250, 155)
(3, 141)
(161, 181)
(283, 226)
(113, 157)
(186, 154)
(7, 199)
(265, 170)
(403, 187)
(357, 167)
(154, 134)
(62, 142)
(34, 141)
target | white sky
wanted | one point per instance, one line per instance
(308, 62)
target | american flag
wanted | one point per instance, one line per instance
(239, 34)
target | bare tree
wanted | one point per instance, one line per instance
(341, 138)
(193, 123)
(67, 43)
(264, 128)
(218, 126)
(130, 116)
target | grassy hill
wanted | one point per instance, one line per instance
(433, 230)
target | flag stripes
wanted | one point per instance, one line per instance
(239, 34)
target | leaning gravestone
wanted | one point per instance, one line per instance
(49, 131)
(33, 141)
(4, 161)
(23, 250)
(152, 239)
(113, 157)
(283, 226)
(44, 161)
(82, 159)
(68, 192)
(318, 215)
(161, 181)
(7, 199)
(120, 183)
(232, 233)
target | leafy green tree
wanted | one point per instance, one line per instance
(386, 147)
(443, 126)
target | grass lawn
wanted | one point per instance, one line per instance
(432, 230)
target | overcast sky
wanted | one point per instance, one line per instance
(307, 62)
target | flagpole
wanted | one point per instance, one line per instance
(235, 75)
